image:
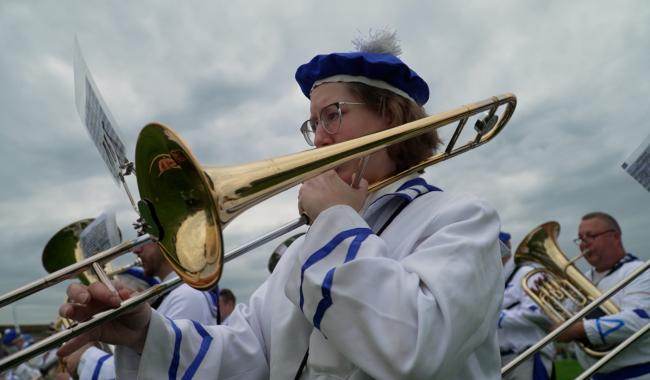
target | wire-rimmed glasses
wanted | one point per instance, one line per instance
(589, 238)
(329, 118)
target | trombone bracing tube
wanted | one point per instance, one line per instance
(594, 304)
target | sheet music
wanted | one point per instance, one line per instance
(100, 235)
(638, 164)
(99, 122)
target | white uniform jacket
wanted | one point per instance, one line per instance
(96, 364)
(184, 302)
(634, 302)
(421, 301)
(521, 322)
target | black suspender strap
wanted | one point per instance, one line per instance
(514, 272)
(302, 365)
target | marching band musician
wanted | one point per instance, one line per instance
(403, 283)
(600, 239)
(14, 341)
(521, 322)
(183, 302)
(92, 362)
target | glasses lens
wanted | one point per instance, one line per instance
(330, 118)
(308, 132)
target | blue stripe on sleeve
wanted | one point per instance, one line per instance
(603, 334)
(98, 366)
(173, 367)
(326, 301)
(203, 350)
(326, 288)
(642, 313)
(324, 252)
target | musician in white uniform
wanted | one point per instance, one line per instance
(404, 283)
(522, 323)
(184, 302)
(13, 342)
(600, 235)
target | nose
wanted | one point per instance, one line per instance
(322, 138)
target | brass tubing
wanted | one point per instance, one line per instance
(587, 309)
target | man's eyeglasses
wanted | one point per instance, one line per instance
(589, 238)
(329, 119)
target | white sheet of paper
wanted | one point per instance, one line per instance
(100, 235)
(94, 114)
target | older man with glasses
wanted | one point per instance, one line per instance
(600, 240)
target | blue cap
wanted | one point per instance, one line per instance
(504, 236)
(9, 336)
(382, 67)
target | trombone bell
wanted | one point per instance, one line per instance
(64, 249)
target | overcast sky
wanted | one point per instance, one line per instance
(221, 74)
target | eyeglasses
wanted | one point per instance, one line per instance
(589, 238)
(329, 118)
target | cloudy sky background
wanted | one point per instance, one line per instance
(221, 74)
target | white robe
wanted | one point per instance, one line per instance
(634, 302)
(420, 301)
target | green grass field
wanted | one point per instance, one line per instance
(567, 369)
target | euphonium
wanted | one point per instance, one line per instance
(563, 284)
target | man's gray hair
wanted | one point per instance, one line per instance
(604, 217)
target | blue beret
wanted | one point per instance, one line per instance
(9, 336)
(504, 236)
(383, 67)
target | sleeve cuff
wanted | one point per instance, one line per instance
(591, 331)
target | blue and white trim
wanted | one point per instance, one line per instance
(359, 235)
(98, 366)
(206, 340)
(385, 209)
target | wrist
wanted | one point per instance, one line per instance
(141, 340)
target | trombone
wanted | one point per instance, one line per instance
(184, 206)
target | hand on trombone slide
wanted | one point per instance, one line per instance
(330, 189)
(129, 329)
(327, 190)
